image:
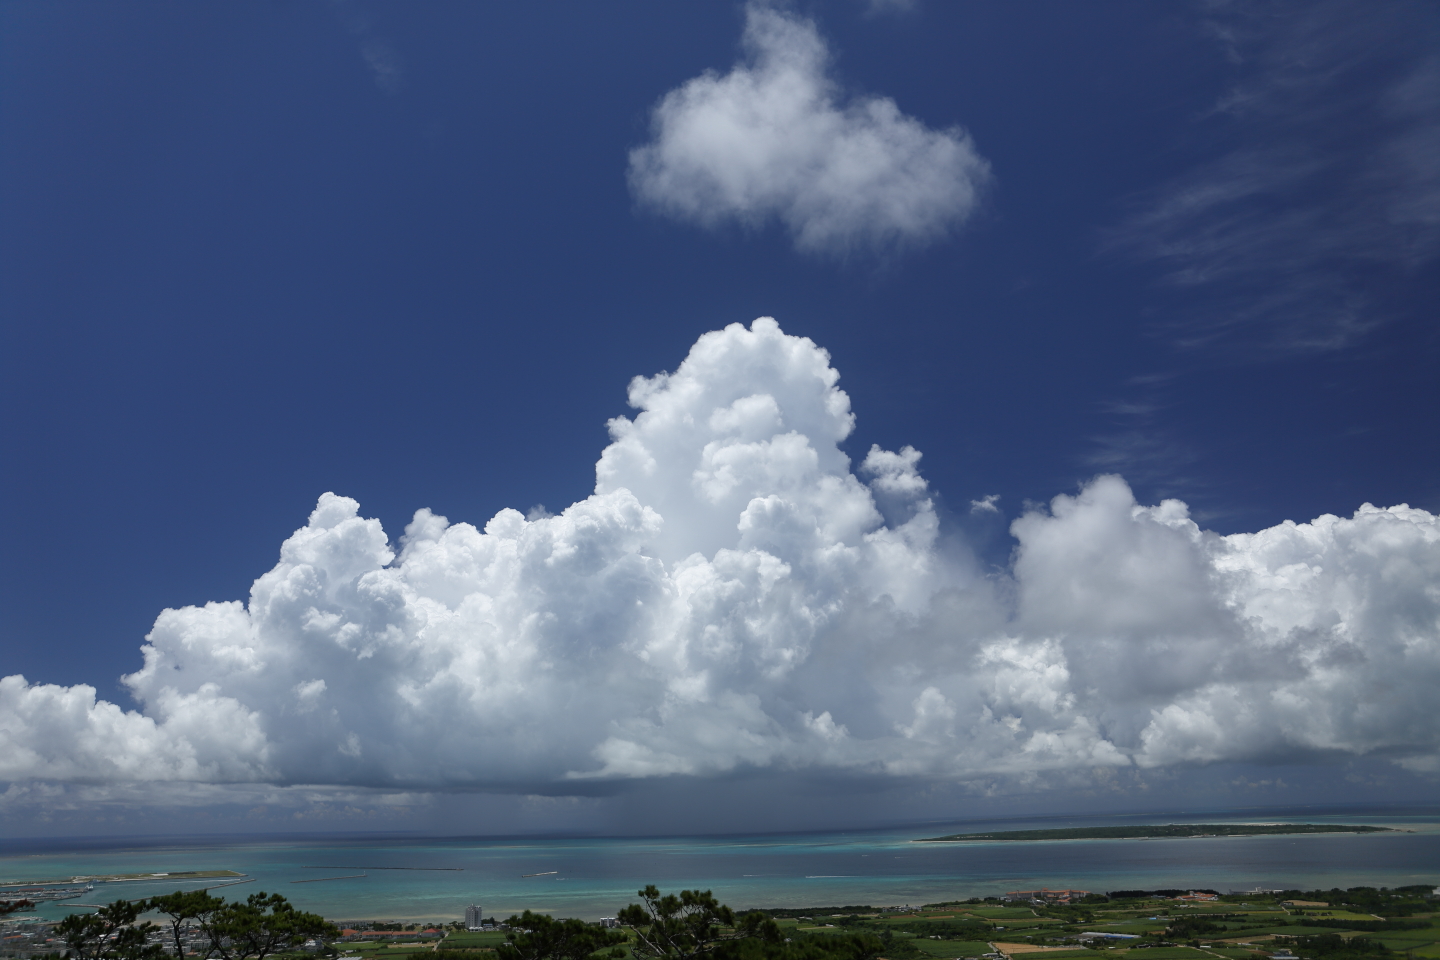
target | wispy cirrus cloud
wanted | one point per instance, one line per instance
(1321, 208)
(386, 66)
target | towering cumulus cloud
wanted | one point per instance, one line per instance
(734, 596)
(771, 139)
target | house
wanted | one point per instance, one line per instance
(1046, 895)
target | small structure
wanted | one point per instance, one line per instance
(474, 918)
(609, 923)
(1046, 895)
(1283, 954)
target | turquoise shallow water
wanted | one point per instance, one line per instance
(594, 877)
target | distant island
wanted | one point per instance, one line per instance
(1169, 830)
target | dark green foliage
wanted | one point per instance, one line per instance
(1384, 902)
(1067, 913)
(254, 929)
(955, 930)
(810, 946)
(1331, 945)
(110, 933)
(1147, 894)
(788, 913)
(941, 929)
(1366, 926)
(900, 948)
(694, 924)
(535, 936)
(895, 938)
(182, 908)
(8, 907)
(260, 926)
(1189, 928)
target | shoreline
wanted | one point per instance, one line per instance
(1167, 832)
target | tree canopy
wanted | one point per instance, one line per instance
(182, 907)
(110, 933)
(252, 929)
(260, 926)
(536, 936)
(693, 924)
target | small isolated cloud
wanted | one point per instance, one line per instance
(774, 139)
(986, 504)
(385, 64)
(733, 596)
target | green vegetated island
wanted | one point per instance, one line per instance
(1169, 830)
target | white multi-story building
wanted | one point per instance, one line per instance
(474, 918)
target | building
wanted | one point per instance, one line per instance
(609, 923)
(1046, 895)
(474, 918)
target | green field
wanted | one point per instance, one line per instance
(951, 948)
(1127, 926)
(465, 940)
(370, 949)
(912, 936)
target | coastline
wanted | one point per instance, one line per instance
(1173, 831)
(594, 877)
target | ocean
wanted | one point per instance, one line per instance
(429, 878)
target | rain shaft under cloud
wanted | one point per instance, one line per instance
(734, 596)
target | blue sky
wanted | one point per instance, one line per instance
(414, 255)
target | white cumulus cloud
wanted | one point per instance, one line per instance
(733, 596)
(774, 139)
